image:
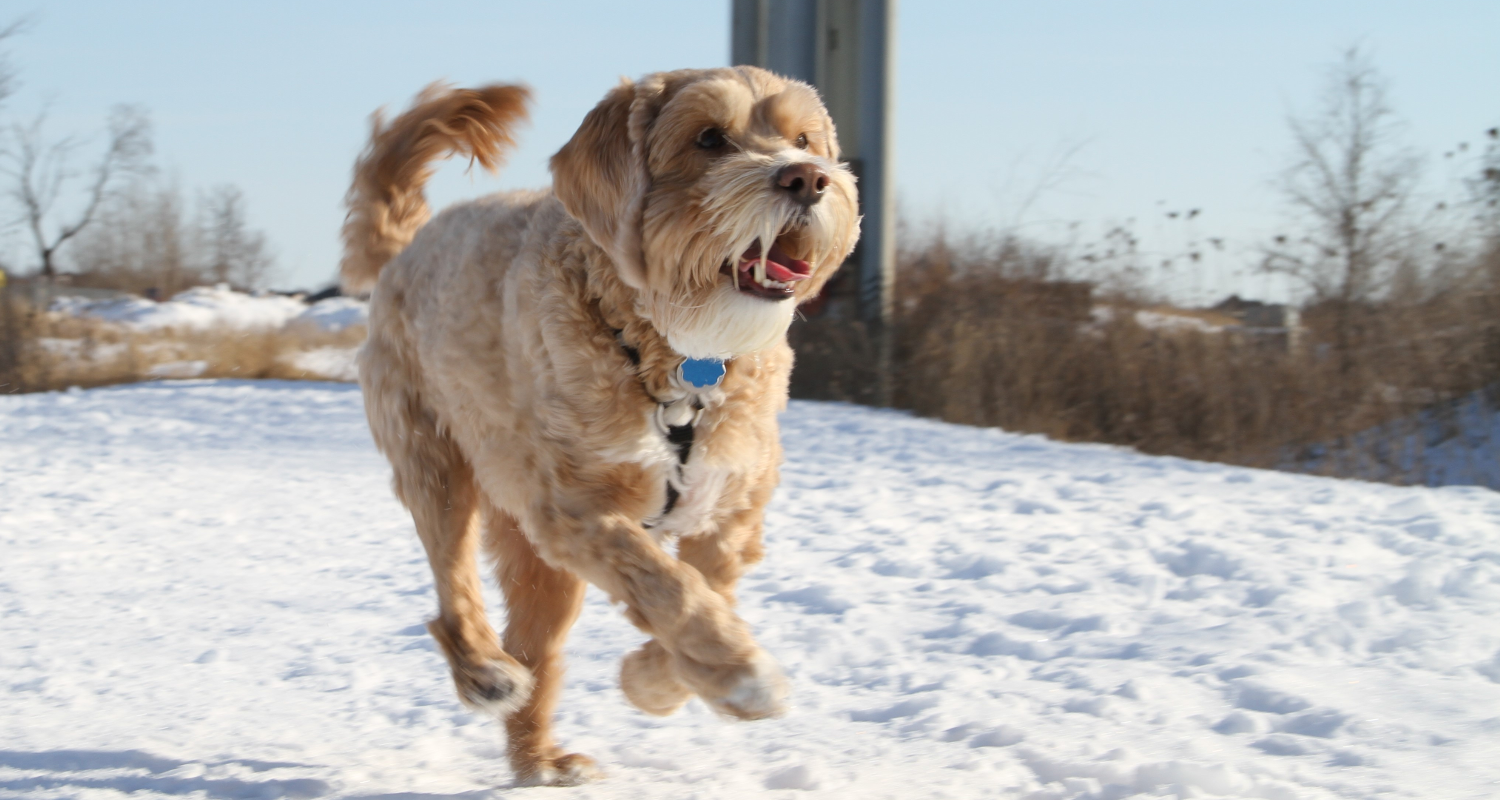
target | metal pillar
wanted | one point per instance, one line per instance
(846, 49)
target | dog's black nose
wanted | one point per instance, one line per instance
(804, 180)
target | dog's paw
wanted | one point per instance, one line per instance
(573, 769)
(755, 689)
(497, 687)
(647, 680)
(759, 693)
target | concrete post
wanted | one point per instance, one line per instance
(846, 49)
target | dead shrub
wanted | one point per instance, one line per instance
(20, 369)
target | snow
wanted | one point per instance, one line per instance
(1156, 320)
(1447, 444)
(198, 308)
(335, 313)
(208, 589)
(177, 369)
(81, 350)
(204, 307)
(333, 363)
(123, 310)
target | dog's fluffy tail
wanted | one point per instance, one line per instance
(386, 205)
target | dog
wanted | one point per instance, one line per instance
(580, 378)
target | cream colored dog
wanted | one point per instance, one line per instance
(542, 371)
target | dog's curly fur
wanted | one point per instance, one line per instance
(522, 368)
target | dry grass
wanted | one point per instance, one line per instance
(988, 336)
(18, 334)
(45, 352)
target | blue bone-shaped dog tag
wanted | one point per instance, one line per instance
(702, 372)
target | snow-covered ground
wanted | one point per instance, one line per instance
(334, 314)
(207, 589)
(333, 363)
(207, 307)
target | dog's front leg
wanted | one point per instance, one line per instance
(722, 556)
(647, 676)
(708, 647)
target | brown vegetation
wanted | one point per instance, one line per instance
(18, 334)
(984, 335)
(1402, 319)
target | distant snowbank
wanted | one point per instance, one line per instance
(1156, 320)
(335, 314)
(333, 363)
(204, 308)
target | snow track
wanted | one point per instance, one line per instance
(207, 589)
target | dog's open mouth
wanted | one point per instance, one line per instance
(774, 278)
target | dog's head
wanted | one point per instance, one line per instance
(718, 195)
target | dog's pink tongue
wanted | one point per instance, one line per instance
(779, 266)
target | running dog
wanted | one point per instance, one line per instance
(580, 378)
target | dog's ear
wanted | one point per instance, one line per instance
(600, 175)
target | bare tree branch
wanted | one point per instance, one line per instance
(1352, 182)
(233, 253)
(39, 174)
(7, 72)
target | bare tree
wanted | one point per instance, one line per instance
(7, 88)
(7, 72)
(40, 174)
(232, 253)
(142, 241)
(1348, 185)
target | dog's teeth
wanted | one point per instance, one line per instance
(770, 284)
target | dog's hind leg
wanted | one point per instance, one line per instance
(435, 482)
(444, 505)
(541, 604)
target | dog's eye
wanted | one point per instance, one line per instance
(801, 141)
(710, 139)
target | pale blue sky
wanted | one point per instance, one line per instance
(1163, 105)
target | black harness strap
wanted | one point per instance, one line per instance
(680, 437)
(671, 501)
